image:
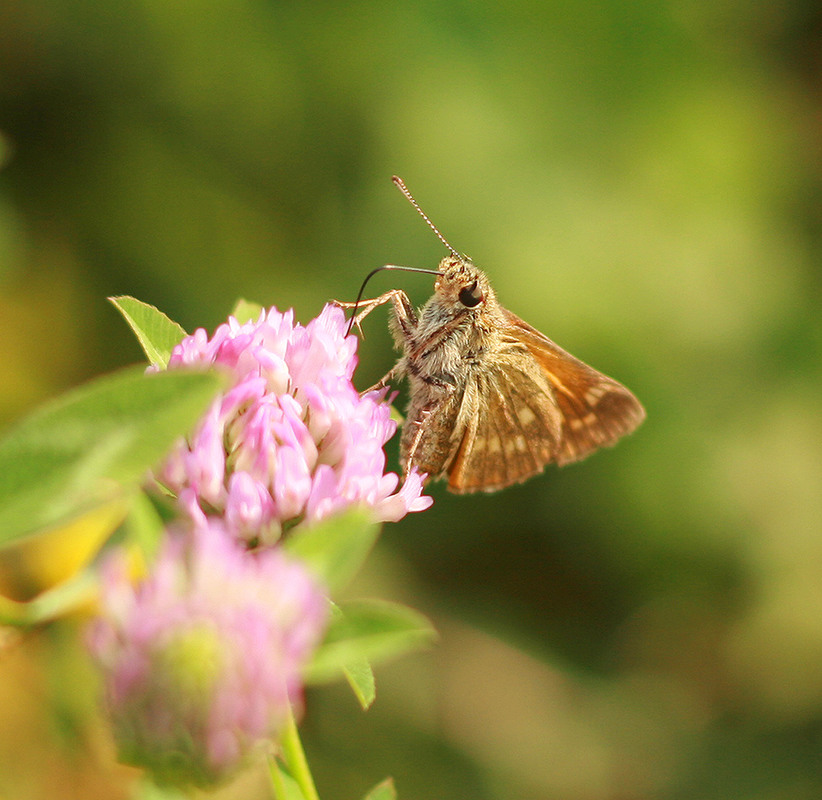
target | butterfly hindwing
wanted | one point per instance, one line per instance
(507, 436)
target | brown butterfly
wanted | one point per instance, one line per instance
(492, 400)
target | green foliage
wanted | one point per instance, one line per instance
(284, 786)
(246, 311)
(156, 333)
(361, 632)
(336, 548)
(76, 593)
(66, 456)
(383, 791)
(146, 789)
(376, 630)
(144, 525)
(360, 676)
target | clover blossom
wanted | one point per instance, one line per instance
(291, 440)
(202, 659)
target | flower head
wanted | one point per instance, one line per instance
(202, 659)
(292, 440)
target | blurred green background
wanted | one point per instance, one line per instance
(642, 181)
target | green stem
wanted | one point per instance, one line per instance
(277, 785)
(293, 755)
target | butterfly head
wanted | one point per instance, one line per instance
(462, 285)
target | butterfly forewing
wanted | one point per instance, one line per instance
(596, 410)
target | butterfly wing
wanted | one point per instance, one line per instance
(596, 410)
(531, 405)
(507, 428)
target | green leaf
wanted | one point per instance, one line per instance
(246, 311)
(360, 678)
(383, 791)
(156, 333)
(80, 592)
(284, 786)
(144, 526)
(146, 789)
(65, 456)
(375, 630)
(335, 548)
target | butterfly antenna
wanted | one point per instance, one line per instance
(400, 184)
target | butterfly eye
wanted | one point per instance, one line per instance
(471, 295)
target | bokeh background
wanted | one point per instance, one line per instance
(642, 181)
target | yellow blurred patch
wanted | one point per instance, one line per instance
(46, 559)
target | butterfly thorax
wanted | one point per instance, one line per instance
(451, 339)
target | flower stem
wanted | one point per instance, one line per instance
(291, 750)
(277, 784)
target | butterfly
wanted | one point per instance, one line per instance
(492, 400)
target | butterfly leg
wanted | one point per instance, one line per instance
(405, 318)
(404, 312)
(396, 372)
(427, 433)
(419, 424)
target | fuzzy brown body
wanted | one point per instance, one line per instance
(492, 400)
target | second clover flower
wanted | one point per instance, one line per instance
(292, 441)
(202, 660)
